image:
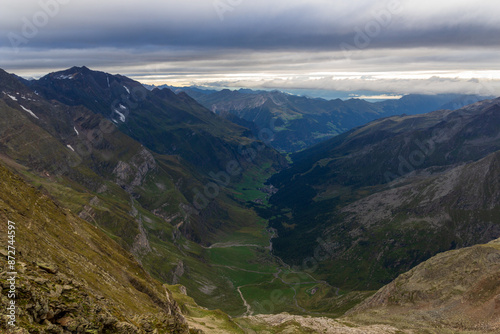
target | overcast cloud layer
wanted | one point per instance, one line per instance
(392, 46)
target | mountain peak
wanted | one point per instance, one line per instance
(73, 71)
(79, 68)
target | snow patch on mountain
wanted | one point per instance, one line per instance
(65, 76)
(30, 112)
(120, 115)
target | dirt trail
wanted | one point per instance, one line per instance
(249, 311)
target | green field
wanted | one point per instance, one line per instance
(270, 297)
(248, 258)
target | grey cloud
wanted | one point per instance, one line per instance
(280, 38)
(260, 25)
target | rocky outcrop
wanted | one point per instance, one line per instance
(178, 272)
(51, 302)
(132, 173)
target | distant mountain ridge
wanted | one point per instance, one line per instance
(298, 122)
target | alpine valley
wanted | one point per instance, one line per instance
(185, 210)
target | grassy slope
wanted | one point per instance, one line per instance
(48, 233)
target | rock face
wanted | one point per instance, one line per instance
(178, 272)
(71, 277)
(423, 215)
(458, 289)
(132, 174)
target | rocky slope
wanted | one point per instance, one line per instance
(73, 278)
(421, 216)
(456, 291)
(286, 323)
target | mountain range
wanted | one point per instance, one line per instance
(291, 123)
(393, 193)
(144, 211)
(157, 206)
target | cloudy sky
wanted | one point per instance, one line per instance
(393, 47)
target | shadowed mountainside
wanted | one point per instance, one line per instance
(389, 195)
